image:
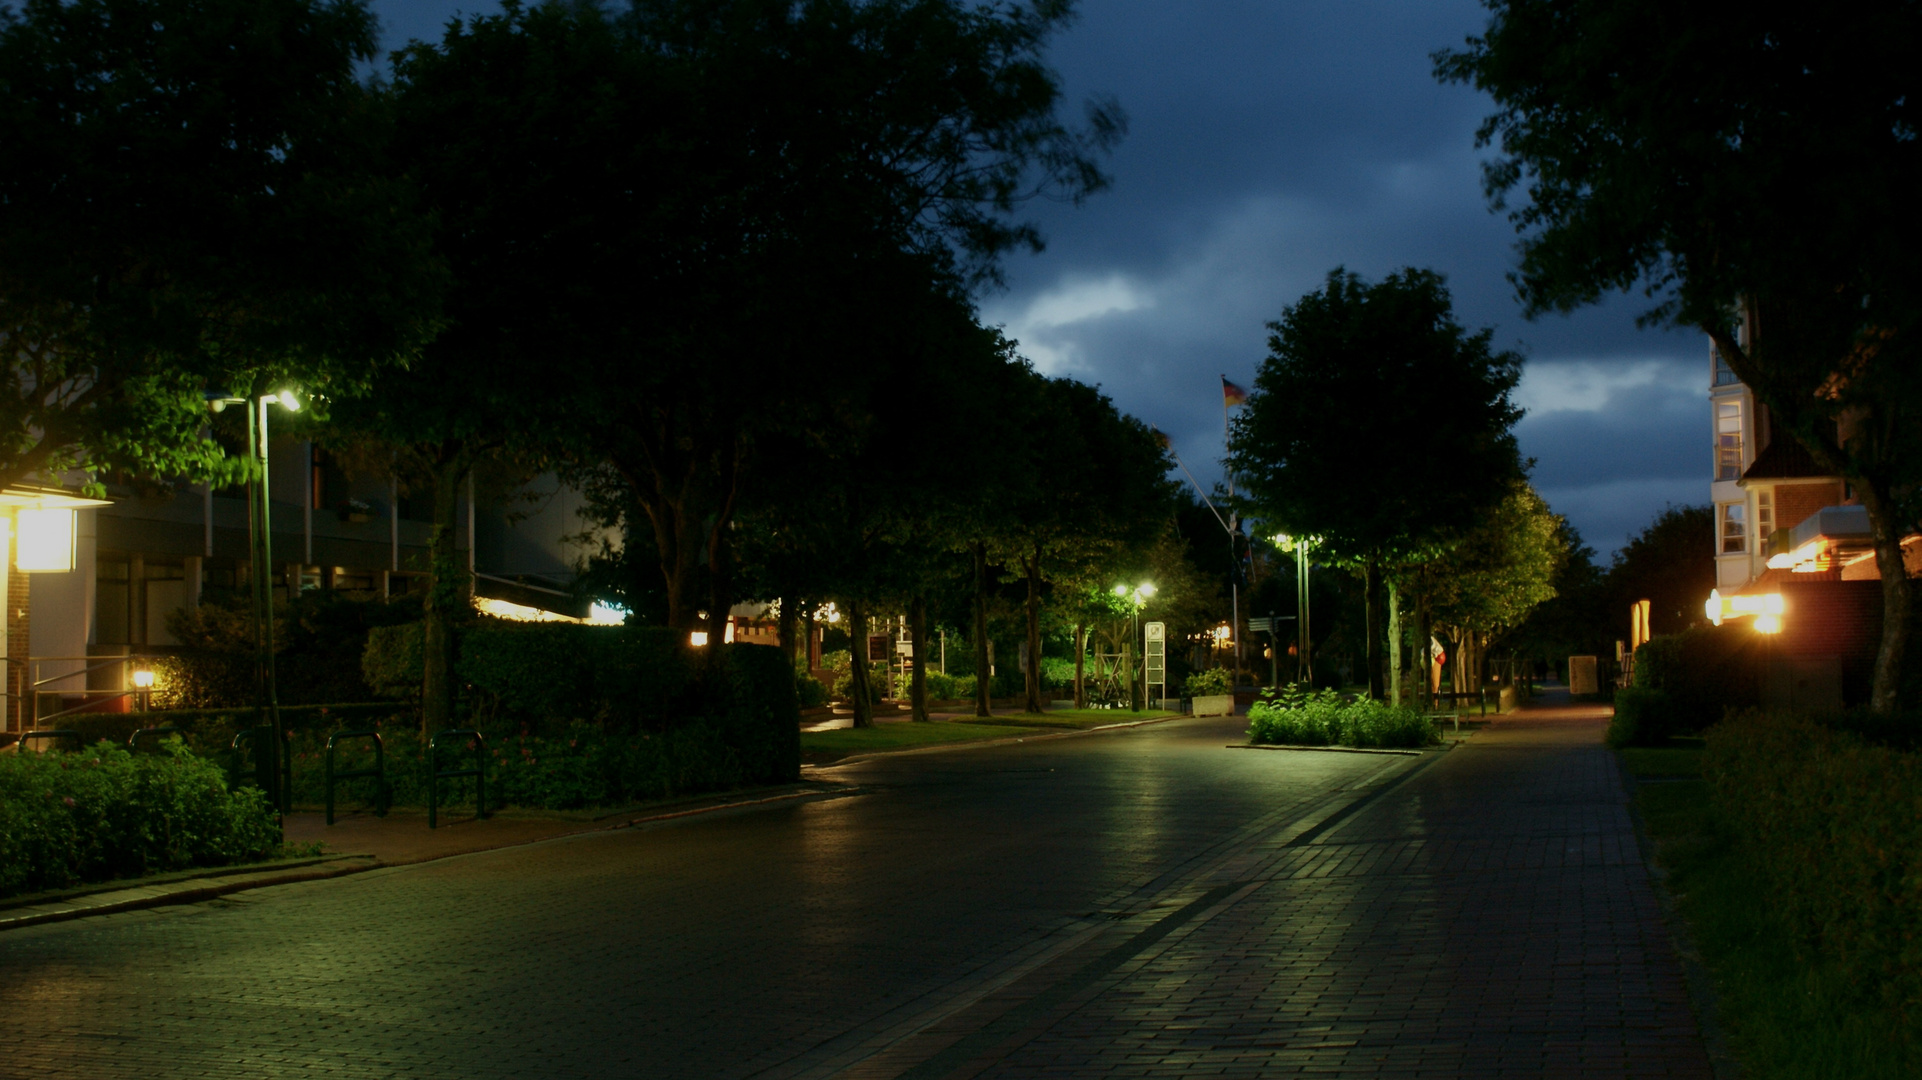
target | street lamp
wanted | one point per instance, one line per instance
(260, 535)
(1136, 598)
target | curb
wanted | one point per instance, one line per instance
(1005, 740)
(191, 892)
(1336, 749)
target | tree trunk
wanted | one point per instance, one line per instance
(982, 660)
(787, 626)
(918, 684)
(859, 684)
(1394, 644)
(1425, 624)
(1080, 663)
(1032, 564)
(1898, 599)
(1372, 606)
(449, 588)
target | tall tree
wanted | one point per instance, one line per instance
(1378, 426)
(806, 136)
(1671, 564)
(193, 198)
(1752, 169)
(1494, 575)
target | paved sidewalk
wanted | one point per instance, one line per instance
(1490, 916)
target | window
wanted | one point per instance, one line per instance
(1728, 440)
(1764, 518)
(1724, 375)
(1734, 531)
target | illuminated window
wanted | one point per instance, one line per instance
(1734, 530)
(1728, 440)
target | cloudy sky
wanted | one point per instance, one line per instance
(1269, 142)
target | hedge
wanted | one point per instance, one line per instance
(1645, 717)
(1704, 671)
(1834, 824)
(103, 813)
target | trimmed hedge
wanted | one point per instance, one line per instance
(1705, 671)
(1834, 825)
(1645, 717)
(103, 813)
(1293, 717)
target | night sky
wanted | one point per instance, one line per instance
(1269, 143)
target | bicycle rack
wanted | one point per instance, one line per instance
(262, 738)
(155, 733)
(79, 740)
(378, 772)
(435, 775)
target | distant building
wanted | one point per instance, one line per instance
(152, 549)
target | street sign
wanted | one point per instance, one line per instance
(1155, 660)
(1260, 626)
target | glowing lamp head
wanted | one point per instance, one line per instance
(288, 401)
(45, 540)
(1768, 624)
(697, 638)
(1121, 590)
(1146, 590)
(143, 678)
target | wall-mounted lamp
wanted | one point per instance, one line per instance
(46, 541)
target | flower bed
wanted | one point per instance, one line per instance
(1293, 717)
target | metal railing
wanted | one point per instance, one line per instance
(38, 685)
(261, 740)
(435, 774)
(378, 772)
(79, 741)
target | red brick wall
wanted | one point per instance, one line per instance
(1841, 619)
(1795, 502)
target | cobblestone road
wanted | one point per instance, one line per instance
(1138, 904)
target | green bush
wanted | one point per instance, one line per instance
(1057, 672)
(1210, 682)
(391, 662)
(1644, 717)
(1834, 825)
(1705, 671)
(1295, 717)
(319, 640)
(941, 687)
(103, 813)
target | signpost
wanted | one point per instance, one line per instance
(1155, 657)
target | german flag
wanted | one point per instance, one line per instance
(1232, 395)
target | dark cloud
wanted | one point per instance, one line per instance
(1270, 142)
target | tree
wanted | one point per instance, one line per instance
(1671, 564)
(1752, 169)
(1378, 426)
(1098, 487)
(1495, 575)
(192, 200)
(801, 140)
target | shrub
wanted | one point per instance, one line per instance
(1834, 825)
(391, 662)
(1295, 717)
(102, 813)
(1705, 671)
(319, 640)
(1210, 682)
(1644, 717)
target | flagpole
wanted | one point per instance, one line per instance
(1234, 552)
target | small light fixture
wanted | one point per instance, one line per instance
(45, 543)
(697, 638)
(1768, 624)
(143, 678)
(288, 401)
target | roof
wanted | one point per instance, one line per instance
(1784, 459)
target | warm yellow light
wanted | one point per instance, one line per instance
(1146, 590)
(45, 543)
(288, 401)
(1121, 590)
(697, 638)
(1768, 624)
(142, 679)
(504, 609)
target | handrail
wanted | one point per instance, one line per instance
(435, 775)
(79, 740)
(160, 732)
(92, 705)
(264, 773)
(378, 772)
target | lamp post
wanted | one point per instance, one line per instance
(260, 536)
(1136, 598)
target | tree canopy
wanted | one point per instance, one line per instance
(192, 199)
(1752, 169)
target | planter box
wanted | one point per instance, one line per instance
(1215, 705)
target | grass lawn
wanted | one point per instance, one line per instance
(1784, 1020)
(822, 747)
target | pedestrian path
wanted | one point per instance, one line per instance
(1491, 915)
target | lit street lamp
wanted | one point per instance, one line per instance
(260, 535)
(1136, 598)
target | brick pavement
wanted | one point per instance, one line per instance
(1135, 904)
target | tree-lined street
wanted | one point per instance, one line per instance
(1147, 902)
